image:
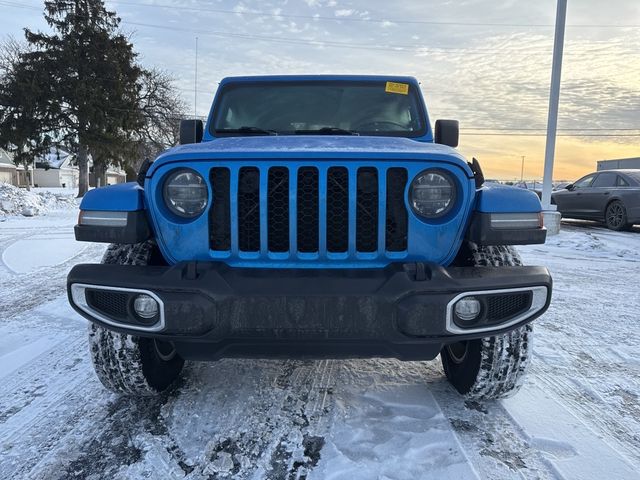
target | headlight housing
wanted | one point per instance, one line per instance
(432, 194)
(185, 193)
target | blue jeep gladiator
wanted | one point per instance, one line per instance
(315, 217)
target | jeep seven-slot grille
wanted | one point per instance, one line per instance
(294, 195)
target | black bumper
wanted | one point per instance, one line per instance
(405, 311)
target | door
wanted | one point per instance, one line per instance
(569, 202)
(601, 191)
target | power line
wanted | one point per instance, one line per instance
(544, 134)
(349, 45)
(511, 129)
(365, 19)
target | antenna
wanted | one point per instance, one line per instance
(195, 97)
(195, 100)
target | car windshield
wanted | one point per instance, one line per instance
(317, 108)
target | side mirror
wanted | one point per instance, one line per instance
(191, 131)
(570, 187)
(447, 132)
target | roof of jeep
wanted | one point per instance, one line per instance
(311, 78)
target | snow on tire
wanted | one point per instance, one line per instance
(128, 364)
(492, 367)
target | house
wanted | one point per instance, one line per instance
(7, 168)
(114, 175)
(57, 168)
(619, 163)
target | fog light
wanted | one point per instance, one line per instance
(467, 308)
(145, 306)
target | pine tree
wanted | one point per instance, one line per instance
(88, 79)
(80, 87)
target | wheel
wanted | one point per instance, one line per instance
(492, 367)
(616, 216)
(128, 364)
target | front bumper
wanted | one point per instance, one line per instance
(210, 310)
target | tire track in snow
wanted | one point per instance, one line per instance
(27, 291)
(581, 400)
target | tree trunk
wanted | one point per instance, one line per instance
(83, 170)
(100, 172)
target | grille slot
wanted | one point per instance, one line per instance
(249, 209)
(507, 305)
(337, 209)
(308, 224)
(278, 209)
(112, 304)
(396, 213)
(220, 213)
(367, 210)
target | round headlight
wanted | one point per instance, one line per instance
(432, 193)
(185, 193)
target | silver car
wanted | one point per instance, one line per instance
(612, 196)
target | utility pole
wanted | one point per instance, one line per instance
(551, 215)
(554, 99)
(522, 170)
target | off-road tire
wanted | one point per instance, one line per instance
(492, 367)
(127, 364)
(615, 216)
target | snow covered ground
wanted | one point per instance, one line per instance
(578, 416)
(36, 201)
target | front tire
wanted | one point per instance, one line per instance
(615, 216)
(128, 364)
(492, 367)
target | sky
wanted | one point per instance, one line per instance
(486, 63)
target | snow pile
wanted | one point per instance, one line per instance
(19, 201)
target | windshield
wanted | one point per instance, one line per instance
(325, 107)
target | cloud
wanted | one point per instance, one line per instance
(345, 12)
(486, 76)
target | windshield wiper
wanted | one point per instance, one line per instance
(245, 129)
(327, 131)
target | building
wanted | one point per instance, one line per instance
(56, 169)
(619, 163)
(114, 175)
(7, 168)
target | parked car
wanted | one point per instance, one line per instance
(560, 186)
(535, 187)
(313, 216)
(609, 196)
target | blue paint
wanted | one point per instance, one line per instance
(431, 241)
(436, 241)
(506, 199)
(312, 147)
(122, 197)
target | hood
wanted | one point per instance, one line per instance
(311, 146)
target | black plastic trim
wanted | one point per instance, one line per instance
(246, 312)
(135, 231)
(481, 233)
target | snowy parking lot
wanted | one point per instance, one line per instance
(578, 416)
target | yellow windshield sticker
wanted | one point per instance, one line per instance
(394, 87)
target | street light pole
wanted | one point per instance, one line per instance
(550, 214)
(522, 170)
(554, 99)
